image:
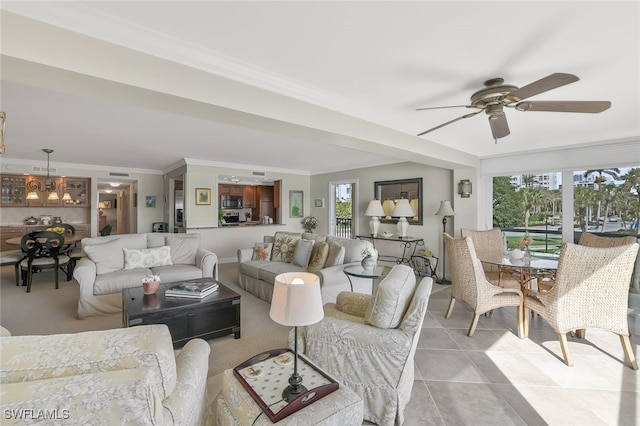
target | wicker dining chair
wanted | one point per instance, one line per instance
(591, 240)
(591, 291)
(489, 245)
(469, 284)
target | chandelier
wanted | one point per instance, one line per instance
(50, 186)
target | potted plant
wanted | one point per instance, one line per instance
(309, 223)
(150, 284)
(368, 261)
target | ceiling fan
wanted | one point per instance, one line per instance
(496, 95)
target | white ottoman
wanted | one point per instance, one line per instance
(235, 406)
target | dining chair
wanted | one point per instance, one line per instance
(468, 283)
(489, 245)
(74, 252)
(591, 291)
(591, 240)
(42, 250)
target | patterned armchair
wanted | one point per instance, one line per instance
(367, 343)
(591, 291)
(120, 376)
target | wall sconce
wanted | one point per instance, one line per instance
(464, 188)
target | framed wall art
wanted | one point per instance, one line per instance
(295, 204)
(150, 201)
(203, 196)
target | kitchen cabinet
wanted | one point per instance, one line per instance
(248, 196)
(13, 190)
(264, 202)
(235, 190)
(224, 189)
(78, 189)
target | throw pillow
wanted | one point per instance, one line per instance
(392, 297)
(284, 245)
(147, 258)
(183, 248)
(319, 256)
(262, 251)
(335, 256)
(302, 254)
(109, 256)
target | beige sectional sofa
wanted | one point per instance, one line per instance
(113, 377)
(257, 276)
(116, 262)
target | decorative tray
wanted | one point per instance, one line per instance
(266, 375)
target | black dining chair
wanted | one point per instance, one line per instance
(42, 251)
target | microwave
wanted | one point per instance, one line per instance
(230, 202)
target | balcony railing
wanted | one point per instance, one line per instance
(343, 228)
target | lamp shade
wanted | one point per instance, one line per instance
(445, 209)
(296, 300)
(53, 196)
(403, 209)
(374, 209)
(388, 206)
(33, 195)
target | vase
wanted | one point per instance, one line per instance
(150, 288)
(368, 263)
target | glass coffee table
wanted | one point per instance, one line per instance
(373, 273)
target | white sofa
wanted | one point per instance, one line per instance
(257, 276)
(122, 376)
(116, 262)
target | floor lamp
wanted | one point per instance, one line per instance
(445, 211)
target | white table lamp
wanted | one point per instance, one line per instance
(403, 210)
(445, 210)
(374, 209)
(296, 301)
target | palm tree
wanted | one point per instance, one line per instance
(532, 197)
(631, 185)
(614, 173)
(583, 198)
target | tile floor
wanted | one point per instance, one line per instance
(495, 378)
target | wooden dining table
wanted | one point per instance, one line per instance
(526, 269)
(68, 240)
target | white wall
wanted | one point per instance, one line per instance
(436, 186)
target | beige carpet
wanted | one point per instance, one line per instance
(49, 311)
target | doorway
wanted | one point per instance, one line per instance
(116, 206)
(343, 210)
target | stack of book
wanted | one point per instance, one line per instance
(193, 288)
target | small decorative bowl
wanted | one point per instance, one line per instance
(387, 234)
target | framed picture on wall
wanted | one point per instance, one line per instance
(150, 201)
(203, 196)
(319, 202)
(295, 204)
(107, 204)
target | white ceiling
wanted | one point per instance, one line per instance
(306, 87)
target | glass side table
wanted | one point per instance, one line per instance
(358, 271)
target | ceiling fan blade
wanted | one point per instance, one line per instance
(499, 126)
(544, 84)
(593, 107)
(442, 107)
(451, 121)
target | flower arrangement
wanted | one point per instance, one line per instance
(525, 241)
(367, 252)
(151, 279)
(150, 284)
(309, 223)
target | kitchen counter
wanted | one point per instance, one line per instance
(251, 223)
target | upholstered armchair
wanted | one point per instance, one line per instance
(489, 245)
(591, 240)
(469, 284)
(367, 343)
(120, 376)
(591, 291)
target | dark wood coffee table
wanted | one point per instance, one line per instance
(213, 316)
